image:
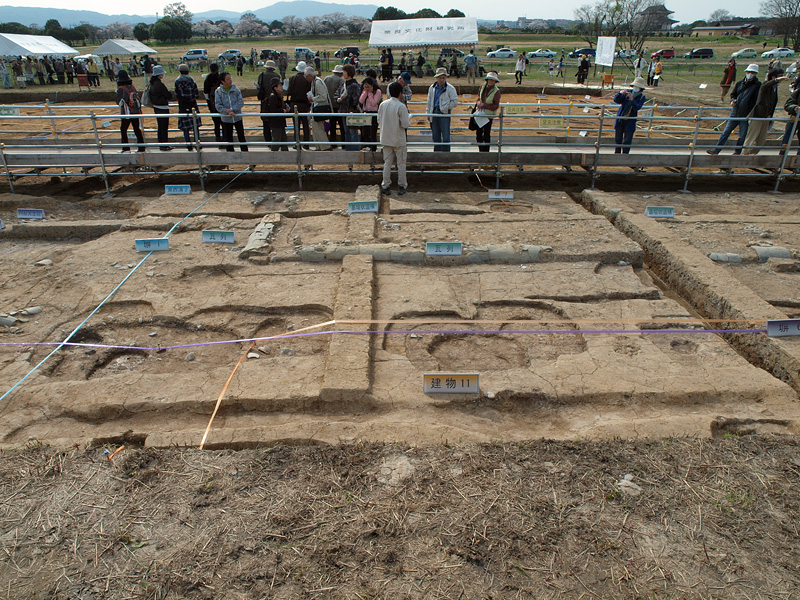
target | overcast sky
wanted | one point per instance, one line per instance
(686, 11)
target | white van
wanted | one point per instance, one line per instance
(303, 53)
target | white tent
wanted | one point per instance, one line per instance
(17, 44)
(117, 47)
(414, 33)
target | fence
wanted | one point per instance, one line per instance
(542, 137)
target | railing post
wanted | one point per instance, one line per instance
(569, 112)
(196, 129)
(597, 144)
(5, 165)
(692, 150)
(100, 152)
(296, 123)
(785, 148)
(499, 152)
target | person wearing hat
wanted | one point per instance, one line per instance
(129, 104)
(266, 79)
(404, 79)
(486, 108)
(276, 105)
(442, 99)
(743, 99)
(229, 102)
(394, 120)
(630, 101)
(583, 69)
(210, 85)
(160, 97)
(187, 94)
(764, 109)
(298, 90)
(333, 82)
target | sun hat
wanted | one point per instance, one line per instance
(405, 76)
(301, 66)
(338, 69)
(753, 68)
(492, 76)
(270, 64)
(309, 71)
(184, 68)
(159, 70)
(639, 82)
(441, 71)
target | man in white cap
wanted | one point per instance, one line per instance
(630, 101)
(333, 82)
(743, 99)
(298, 90)
(442, 99)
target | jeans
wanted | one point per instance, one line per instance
(787, 133)
(623, 139)
(7, 81)
(351, 138)
(440, 128)
(733, 123)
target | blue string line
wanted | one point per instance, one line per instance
(114, 291)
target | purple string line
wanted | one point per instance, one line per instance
(393, 331)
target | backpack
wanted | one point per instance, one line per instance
(132, 105)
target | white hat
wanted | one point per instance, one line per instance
(493, 76)
(301, 66)
(753, 68)
(441, 71)
(309, 71)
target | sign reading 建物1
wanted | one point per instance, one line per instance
(218, 237)
(451, 383)
(666, 212)
(30, 213)
(501, 194)
(364, 206)
(443, 248)
(152, 244)
(783, 327)
(177, 190)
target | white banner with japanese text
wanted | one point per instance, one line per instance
(414, 33)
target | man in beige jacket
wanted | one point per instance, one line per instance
(393, 120)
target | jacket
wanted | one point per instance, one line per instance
(766, 101)
(231, 99)
(333, 82)
(320, 91)
(745, 94)
(394, 120)
(370, 102)
(348, 96)
(447, 101)
(210, 86)
(298, 92)
(793, 102)
(275, 104)
(491, 99)
(628, 107)
(159, 94)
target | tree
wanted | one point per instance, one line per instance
(14, 27)
(276, 25)
(425, 13)
(249, 25)
(390, 13)
(291, 24)
(359, 25)
(335, 20)
(178, 10)
(53, 27)
(596, 20)
(454, 13)
(314, 24)
(785, 15)
(719, 15)
(171, 29)
(141, 32)
(117, 30)
(224, 28)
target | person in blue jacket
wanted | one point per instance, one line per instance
(630, 101)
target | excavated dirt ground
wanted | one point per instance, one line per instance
(585, 320)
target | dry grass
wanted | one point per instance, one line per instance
(715, 519)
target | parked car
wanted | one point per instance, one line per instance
(542, 53)
(502, 53)
(578, 52)
(269, 54)
(745, 53)
(665, 53)
(778, 53)
(626, 53)
(451, 51)
(230, 56)
(347, 51)
(700, 53)
(303, 53)
(196, 54)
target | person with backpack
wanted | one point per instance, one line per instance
(159, 99)
(187, 94)
(129, 104)
(265, 85)
(210, 85)
(321, 103)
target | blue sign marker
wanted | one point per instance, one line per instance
(362, 207)
(664, 212)
(2, 225)
(443, 248)
(218, 237)
(177, 190)
(152, 245)
(30, 213)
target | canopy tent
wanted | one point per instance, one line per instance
(414, 33)
(18, 44)
(117, 47)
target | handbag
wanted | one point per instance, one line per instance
(473, 126)
(146, 97)
(322, 108)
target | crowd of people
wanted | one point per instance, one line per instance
(61, 70)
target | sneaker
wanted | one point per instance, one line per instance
(386, 191)
(401, 191)
(712, 151)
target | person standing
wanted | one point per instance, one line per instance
(240, 65)
(487, 106)
(320, 102)
(743, 99)
(348, 95)
(651, 72)
(370, 100)
(94, 73)
(442, 99)
(384, 62)
(187, 94)
(420, 65)
(210, 85)
(659, 70)
(333, 82)
(454, 65)
(551, 67)
(265, 89)
(160, 97)
(299, 87)
(147, 66)
(404, 79)
(583, 70)
(728, 77)
(129, 104)
(472, 66)
(69, 66)
(16, 70)
(791, 107)
(229, 103)
(639, 65)
(283, 64)
(394, 120)
(630, 101)
(391, 63)
(276, 105)
(5, 75)
(519, 69)
(58, 66)
(764, 108)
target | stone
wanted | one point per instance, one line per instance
(44, 263)
(265, 349)
(726, 257)
(190, 357)
(627, 487)
(154, 334)
(253, 355)
(766, 252)
(7, 321)
(287, 351)
(33, 310)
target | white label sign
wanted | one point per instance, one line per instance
(152, 245)
(783, 327)
(30, 213)
(443, 248)
(177, 190)
(665, 212)
(501, 194)
(218, 237)
(451, 383)
(362, 207)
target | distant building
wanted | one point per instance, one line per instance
(740, 27)
(657, 18)
(524, 23)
